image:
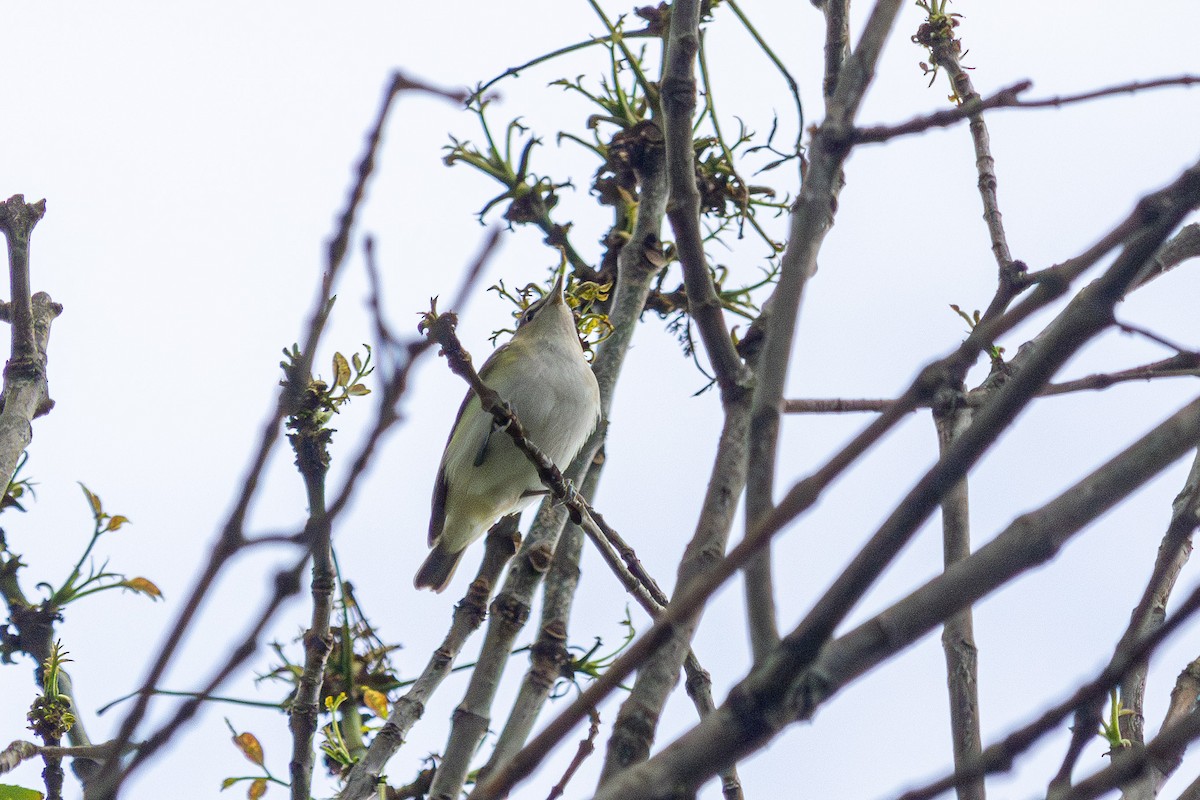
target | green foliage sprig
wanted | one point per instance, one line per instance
(50, 716)
(97, 579)
(620, 132)
(1110, 731)
(589, 663)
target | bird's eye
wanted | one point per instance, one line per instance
(529, 314)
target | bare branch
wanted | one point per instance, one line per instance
(1144, 232)
(309, 441)
(777, 693)
(232, 536)
(638, 717)
(549, 659)
(1183, 365)
(469, 615)
(946, 55)
(1181, 247)
(25, 391)
(683, 210)
(835, 405)
(958, 635)
(1130, 651)
(586, 748)
(638, 263)
(1147, 617)
(1008, 97)
(812, 216)
(837, 42)
(1085, 316)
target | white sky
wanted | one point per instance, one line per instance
(193, 158)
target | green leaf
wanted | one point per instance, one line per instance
(142, 586)
(341, 370)
(97, 509)
(250, 747)
(19, 793)
(376, 701)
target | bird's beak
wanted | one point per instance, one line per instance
(558, 290)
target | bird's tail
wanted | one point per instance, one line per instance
(438, 568)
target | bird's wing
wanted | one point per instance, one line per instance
(481, 456)
(502, 353)
(437, 519)
(441, 487)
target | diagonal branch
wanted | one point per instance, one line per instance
(232, 536)
(1089, 313)
(1149, 223)
(637, 267)
(775, 695)
(1008, 97)
(469, 615)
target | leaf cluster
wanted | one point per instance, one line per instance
(623, 132)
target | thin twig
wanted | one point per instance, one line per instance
(232, 536)
(835, 405)
(1008, 97)
(946, 55)
(1184, 365)
(793, 87)
(586, 748)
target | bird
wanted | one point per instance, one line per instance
(541, 372)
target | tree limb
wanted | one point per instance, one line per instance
(775, 695)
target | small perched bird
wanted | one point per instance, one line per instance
(542, 374)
